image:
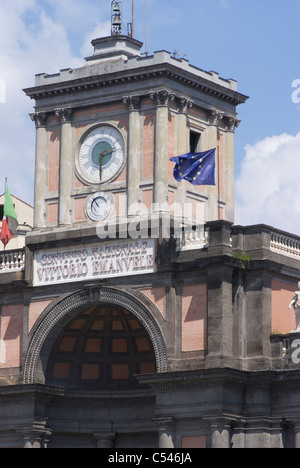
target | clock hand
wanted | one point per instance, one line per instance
(100, 163)
(101, 157)
(107, 151)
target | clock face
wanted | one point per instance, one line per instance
(98, 206)
(101, 155)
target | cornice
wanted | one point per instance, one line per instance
(165, 70)
(222, 377)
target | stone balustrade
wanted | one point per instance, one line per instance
(193, 239)
(12, 260)
(285, 244)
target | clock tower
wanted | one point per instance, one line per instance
(104, 314)
(105, 134)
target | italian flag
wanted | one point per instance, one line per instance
(10, 221)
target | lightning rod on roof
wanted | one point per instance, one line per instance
(132, 18)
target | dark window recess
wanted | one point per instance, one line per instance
(194, 142)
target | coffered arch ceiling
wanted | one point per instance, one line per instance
(78, 316)
(102, 348)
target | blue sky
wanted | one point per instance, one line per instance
(254, 42)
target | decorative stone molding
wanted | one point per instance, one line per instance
(81, 298)
(215, 117)
(64, 114)
(142, 71)
(162, 97)
(184, 104)
(231, 122)
(39, 118)
(133, 102)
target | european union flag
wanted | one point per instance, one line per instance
(196, 168)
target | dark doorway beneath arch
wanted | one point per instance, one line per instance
(101, 349)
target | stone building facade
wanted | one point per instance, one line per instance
(143, 316)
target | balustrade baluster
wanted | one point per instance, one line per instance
(285, 245)
(12, 260)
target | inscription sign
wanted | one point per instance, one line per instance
(80, 263)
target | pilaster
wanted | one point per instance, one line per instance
(258, 286)
(66, 167)
(162, 99)
(182, 141)
(41, 170)
(230, 124)
(220, 318)
(215, 118)
(134, 155)
(220, 434)
(166, 432)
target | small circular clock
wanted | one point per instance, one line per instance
(101, 155)
(99, 206)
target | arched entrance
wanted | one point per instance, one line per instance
(102, 348)
(127, 351)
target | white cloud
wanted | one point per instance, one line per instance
(32, 41)
(37, 36)
(101, 30)
(268, 188)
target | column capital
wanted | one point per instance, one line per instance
(231, 122)
(65, 114)
(133, 102)
(215, 117)
(162, 97)
(39, 118)
(184, 104)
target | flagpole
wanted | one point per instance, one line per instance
(147, 27)
(132, 19)
(219, 190)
